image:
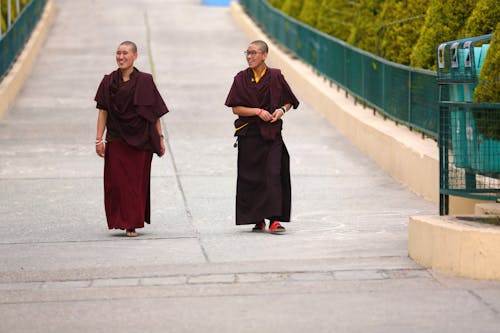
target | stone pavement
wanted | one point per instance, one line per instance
(342, 267)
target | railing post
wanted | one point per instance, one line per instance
(409, 98)
(9, 15)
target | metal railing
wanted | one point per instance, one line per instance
(405, 94)
(469, 149)
(18, 31)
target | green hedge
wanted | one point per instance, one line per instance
(443, 21)
(488, 88)
(310, 12)
(399, 26)
(483, 19)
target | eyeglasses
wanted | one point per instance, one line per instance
(251, 53)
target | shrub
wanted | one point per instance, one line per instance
(483, 18)
(336, 18)
(443, 20)
(276, 3)
(310, 11)
(363, 33)
(292, 7)
(488, 88)
(399, 26)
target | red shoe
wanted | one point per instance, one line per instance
(276, 228)
(259, 227)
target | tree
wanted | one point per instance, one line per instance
(363, 33)
(310, 11)
(277, 3)
(443, 22)
(399, 26)
(483, 19)
(292, 7)
(488, 88)
(336, 18)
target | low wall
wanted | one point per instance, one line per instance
(13, 82)
(405, 155)
(455, 248)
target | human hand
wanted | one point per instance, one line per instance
(100, 148)
(277, 114)
(162, 147)
(264, 115)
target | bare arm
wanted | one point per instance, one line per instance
(263, 114)
(162, 140)
(249, 112)
(100, 146)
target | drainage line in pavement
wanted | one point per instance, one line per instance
(167, 141)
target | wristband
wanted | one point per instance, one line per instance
(283, 109)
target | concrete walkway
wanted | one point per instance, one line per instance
(342, 267)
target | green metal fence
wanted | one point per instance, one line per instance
(405, 94)
(12, 42)
(469, 149)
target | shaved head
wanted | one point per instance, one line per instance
(261, 45)
(130, 44)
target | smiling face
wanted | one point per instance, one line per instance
(125, 57)
(255, 56)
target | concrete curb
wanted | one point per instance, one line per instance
(405, 155)
(451, 247)
(13, 82)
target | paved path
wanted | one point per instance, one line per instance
(342, 267)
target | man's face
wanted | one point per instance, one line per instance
(255, 56)
(125, 57)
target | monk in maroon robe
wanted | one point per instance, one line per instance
(130, 108)
(260, 96)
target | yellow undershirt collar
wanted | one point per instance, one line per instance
(258, 77)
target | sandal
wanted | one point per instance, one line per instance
(131, 233)
(259, 227)
(276, 228)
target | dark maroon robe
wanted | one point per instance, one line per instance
(133, 107)
(263, 189)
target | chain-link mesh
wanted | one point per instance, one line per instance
(470, 149)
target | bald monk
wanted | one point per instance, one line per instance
(130, 108)
(260, 97)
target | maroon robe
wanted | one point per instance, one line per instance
(133, 107)
(263, 189)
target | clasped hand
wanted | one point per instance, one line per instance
(271, 117)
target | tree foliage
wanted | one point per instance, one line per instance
(292, 7)
(363, 33)
(443, 20)
(483, 18)
(276, 3)
(336, 18)
(488, 88)
(310, 12)
(399, 25)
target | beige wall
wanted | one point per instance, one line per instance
(455, 248)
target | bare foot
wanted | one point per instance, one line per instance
(132, 233)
